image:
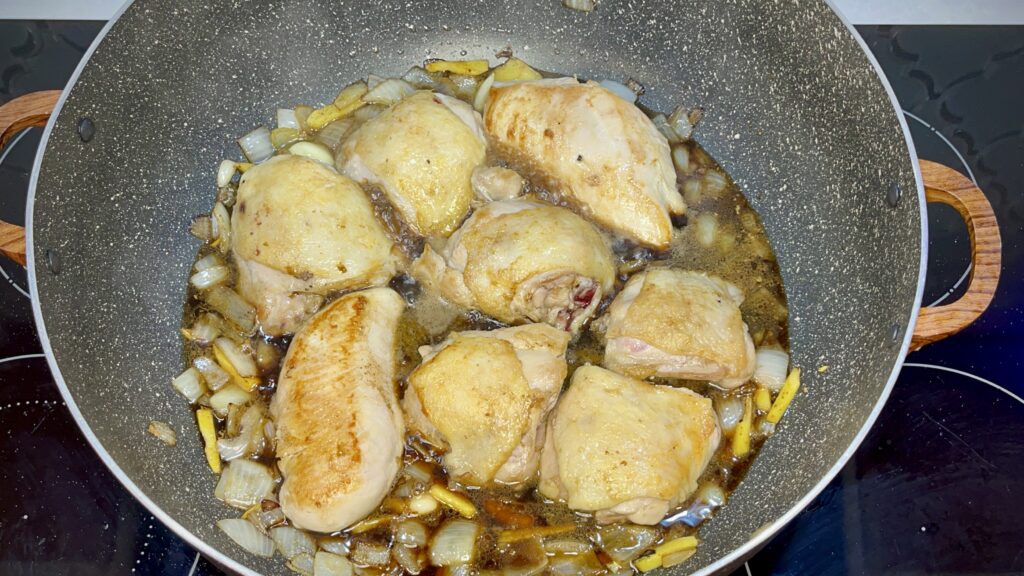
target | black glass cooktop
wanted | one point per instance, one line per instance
(935, 488)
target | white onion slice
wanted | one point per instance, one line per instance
(244, 483)
(286, 118)
(372, 81)
(327, 564)
(215, 376)
(410, 559)
(706, 226)
(163, 432)
(335, 545)
(332, 134)
(681, 158)
(419, 78)
(240, 359)
(454, 543)
(247, 536)
(222, 226)
(411, 533)
(772, 367)
(301, 564)
(388, 92)
(480, 99)
(226, 396)
(619, 89)
(210, 277)
(189, 385)
(291, 541)
(579, 5)
(204, 330)
(256, 145)
(661, 123)
(370, 554)
(730, 411)
(313, 151)
(211, 261)
(225, 172)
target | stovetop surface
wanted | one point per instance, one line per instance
(934, 489)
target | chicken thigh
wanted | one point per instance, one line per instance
(593, 147)
(421, 152)
(626, 449)
(679, 324)
(483, 396)
(340, 432)
(301, 230)
(519, 260)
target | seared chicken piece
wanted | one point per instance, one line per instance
(301, 230)
(339, 426)
(593, 147)
(421, 152)
(626, 449)
(496, 183)
(519, 260)
(679, 324)
(483, 396)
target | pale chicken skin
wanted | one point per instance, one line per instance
(593, 147)
(625, 449)
(422, 152)
(678, 324)
(483, 396)
(340, 432)
(299, 231)
(520, 260)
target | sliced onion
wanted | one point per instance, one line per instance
(730, 411)
(388, 92)
(579, 5)
(454, 543)
(370, 554)
(189, 385)
(204, 330)
(313, 151)
(335, 545)
(302, 564)
(566, 546)
(266, 515)
(202, 227)
(333, 134)
(772, 367)
(420, 472)
(256, 145)
(619, 89)
(412, 560)
(422, 504)
(706, 226)
(419, 78)
(681, 158)
(226, 172)
(327, 564)
(212, 373)
(302, 113)
(244, 483)
(267, 355)
(411, 533)
(372, 81)
(281, 137)
(241, 360)
(661, 123)
(286, 118)
(210, 277)
(162, 432)
(291, 541)
(675, 558)
(585, 564)
(226, 396)
(480, 99)
(247, 536)
(683, 120)
(249, 440)
(714, 182)
(624, 542)
(207, 262)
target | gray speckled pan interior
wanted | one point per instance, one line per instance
(795, 113)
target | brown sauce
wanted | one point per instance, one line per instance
(738, 252)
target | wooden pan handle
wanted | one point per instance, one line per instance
(32, 109)
(947, 186)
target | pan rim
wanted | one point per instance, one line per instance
(220, 558)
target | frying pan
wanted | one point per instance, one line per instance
(796, 111)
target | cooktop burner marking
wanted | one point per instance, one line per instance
(22, 357)
(967, 374)
(970, 174)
